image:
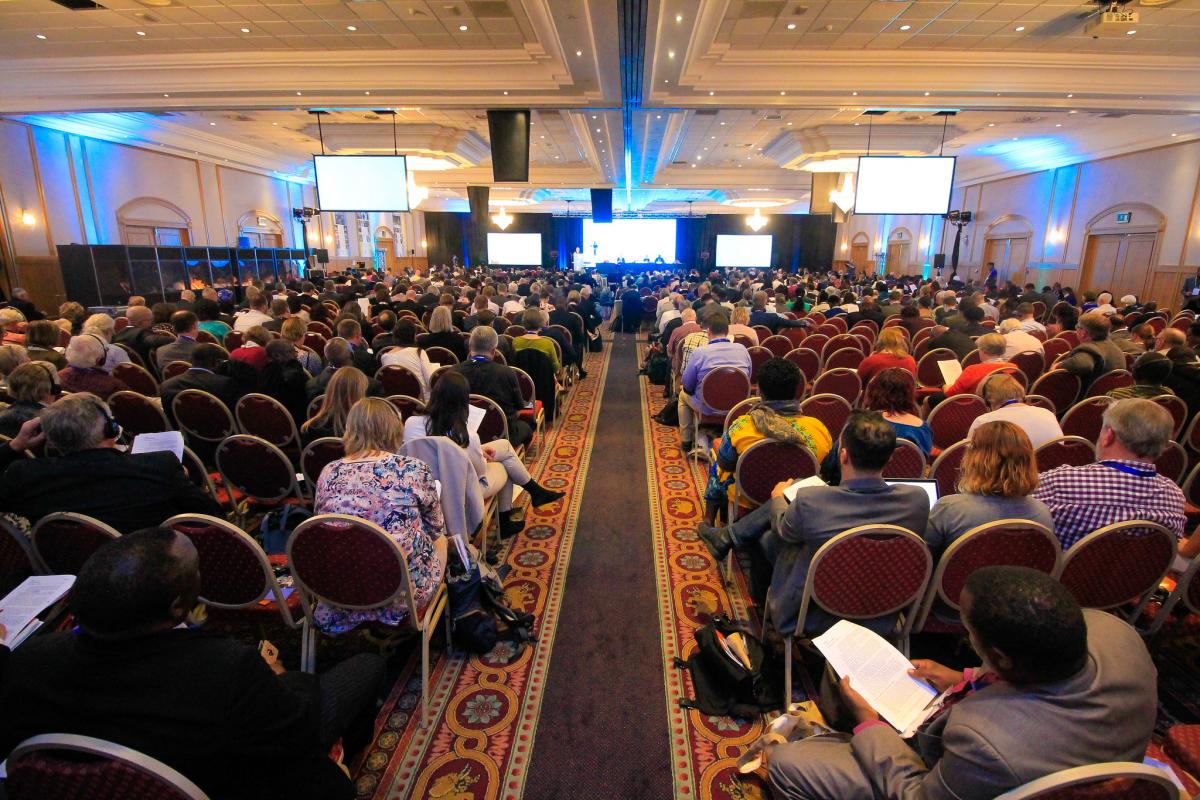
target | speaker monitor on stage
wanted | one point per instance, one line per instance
(602, 205)
(509, 134)
(939, 261)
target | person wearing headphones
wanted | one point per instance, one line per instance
(32, 387)
(86, 356)
(86, 473)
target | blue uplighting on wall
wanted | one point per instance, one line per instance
(1031, 153)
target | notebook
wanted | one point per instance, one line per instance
(930, 488)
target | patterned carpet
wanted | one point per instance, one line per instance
(485, 709)
(690, 590)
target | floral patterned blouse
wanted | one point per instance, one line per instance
(398, 494)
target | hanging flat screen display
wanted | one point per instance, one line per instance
(904, 184)
(361, 183)
(747, 250)
(515, 249)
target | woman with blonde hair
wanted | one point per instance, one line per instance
(347, 386)
(442, 334)
(739, 324)
(997, 480)
(397, 493)
(891, 352)
(292, 331)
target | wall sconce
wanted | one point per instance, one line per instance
(924, 242)
(757, 221)
(845, 247)
(1056, 236)
(503, 219)
(329, 238)
(424, 245)
(27, 219)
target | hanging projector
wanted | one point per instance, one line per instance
(1112, 21)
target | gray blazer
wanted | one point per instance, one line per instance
(178, 350)
(1003, 736)
(462, 498)
(817, 515)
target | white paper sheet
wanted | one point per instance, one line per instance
(878, 672)
(789, 493)
(19, 609)
(950, 370)
(475, 418)
(171, 441)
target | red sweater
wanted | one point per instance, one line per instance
(875, 363)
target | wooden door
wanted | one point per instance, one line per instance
(995, 252)
(1135, 265)
(860, 254)
(897, 257)
(1118, 263)
(1018, 260)
(139, 235)
(1100, 262)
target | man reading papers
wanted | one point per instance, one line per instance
(1059, 688)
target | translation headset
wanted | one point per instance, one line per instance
(103, 344)
(112, 428)
(55, 388)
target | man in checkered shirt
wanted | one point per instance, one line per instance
(1123, 484)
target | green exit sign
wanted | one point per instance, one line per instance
(1124, 217)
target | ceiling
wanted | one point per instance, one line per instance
(739, 98)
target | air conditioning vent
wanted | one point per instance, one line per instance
(772, 117)
(705, 112)
(78, 5)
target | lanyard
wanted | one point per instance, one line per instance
(1008, 403)
(1128, 470)
(714, 341)
(480, 358)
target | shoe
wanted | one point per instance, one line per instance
(539, 495)
(687, 447)
(508, 526)
(717, 540)
(582, 375)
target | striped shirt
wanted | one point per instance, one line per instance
(1084, 499)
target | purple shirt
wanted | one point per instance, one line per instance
(717, 353)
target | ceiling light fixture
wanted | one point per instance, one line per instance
(503, 219)
(27, 219)
(212, 123)
(855, 94)
(578, 52)
(245, 30)
(1020, 28)
(757, 221)
(710, 94)
(506, 94)
(1131, 33)
(927, 94)
(351, 28)
(462, 28)
(1058, 124)
(140, 33)
(781, 94)
(906, 27)
(39, 36)
(299, 94)
(166, 95)
(678, 18)
(791, 26)
(670, 54)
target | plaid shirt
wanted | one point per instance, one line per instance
(1084, 499)
(688, 346)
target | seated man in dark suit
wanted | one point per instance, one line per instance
(202, 375)
(789, 535)
(206, 705)
(92, 477)
(360, 352)
(338, 354)
(495, 381)
(1059, 688)
(186, 325)
(387, 323)
(138, 335)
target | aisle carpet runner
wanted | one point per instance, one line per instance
(484, 709)
(704, 749)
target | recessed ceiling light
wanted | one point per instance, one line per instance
(712, 137)
(593, 116)
(857, 124)
(665, 80)
(506, 94)
(791, 26)
(991, 124)
(722, 124)
(906, 27)
(1014, 138)
(1174, 134)
(366, 92)
(854, 94)
(1131, 33)
(298, 94)
(274, 123)
(699, 158)
(710, 94)
(462, 28)
(543, 136)
(927, 94)
(578, 52)
(789, 124)
(39, 36)
(166, 95)
(597, 130)
(679, 17)
(212, 123)
(140, 33)
(1072, 111)
(782, 93)
(351, 28)
(1058, 124)
(1070, 95)
(1020, 28)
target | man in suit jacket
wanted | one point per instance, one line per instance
(1059, 688)
(338, 354)
(495, 381)
(92, 477)
(209, 706)
(202, 375)
(186, 325)
(790, 535)
(138, 335)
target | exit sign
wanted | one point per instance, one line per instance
(1124, 217)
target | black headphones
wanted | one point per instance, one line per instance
(103, 344)
(55, 387)
(112, 428)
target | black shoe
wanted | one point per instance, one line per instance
(508, 526)
(539, 495)
(582, 375)
(716, 540)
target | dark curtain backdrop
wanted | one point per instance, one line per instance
(801, 240)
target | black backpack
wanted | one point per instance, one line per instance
(658, 368)
(479, 612)
(724, 687)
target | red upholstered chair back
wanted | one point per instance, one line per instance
(809, 362)
(867, 572)
(348, 562)
(137, 378)
(723, 388)
(266, 418)
(1015, 374)
(64, 541)
(17, 559)
(833, 410)
(1119, 562)
(234, 340)
(907, 462)
(971, 358)
(766, 463)
(437, 374)
(758, 357)
(234, 571)
(1059, 387)
(1005, 542)
(1039, 401)
(744, 341)
(120, 324)
(406, 405)
(762, 331)
(1157, 323)
(1053, 348)
(794, 335)
(174, 369)
(256, 468)
(1173, 461)
(61, 766)
(838, 321)
(319, 454)
(816, 341)
(495, 423)
(136, 413)
(846, 358)
(1070, 337)
(1072, 451)
(837, 343)
(1110, 781)
(399, 380)
(946, 468)
(1086, 418)
(778, 345)
(202, 415)
(952, 418)
(315, 340)
(866, 328)
(1116, 379)
(928, 371)
(1178, 410)
(204, 337)
(528, 387)
(845, 383)
(134, 357)
(440, 355)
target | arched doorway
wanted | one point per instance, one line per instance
(1006, 244)
(899, 247)
(860, 251)
(1121, 250)
(385, 248)
(260, 229)
(152, 221)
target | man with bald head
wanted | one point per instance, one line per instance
(135, 673)
(138, 335)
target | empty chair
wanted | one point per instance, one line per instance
(928, 372)
(1059, 387)
(946, 468)
(257, 470)
(1117, 564)
(846, 358)
(64, 541)
(202, 415)
(762, 332)
(399, 380)
(816, 342)
(758, 357)
(319, 454)
(442, 356)
(1086, 418)
(1074, 451)
(794, 335)
(137, 413)
(809, 362)
(1031, 363)
(1053, 348)
(407, 406)
(952, 418)
(833, 411)
(268, 419)
(1116, 379)
(845, 383)
(778, 345)
(907, 462)
(1173, 461)
(1178, 410)
(137, 378)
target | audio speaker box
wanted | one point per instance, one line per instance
(939, 260)
(508, 131)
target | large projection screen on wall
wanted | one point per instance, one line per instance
(904, 184)
(515, 249)
(361, 183)
(735, 250)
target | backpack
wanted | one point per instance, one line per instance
(658, 367)
(723, 685)
(277, 526)
(479, 612)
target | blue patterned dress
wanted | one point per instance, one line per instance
(398, 494)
